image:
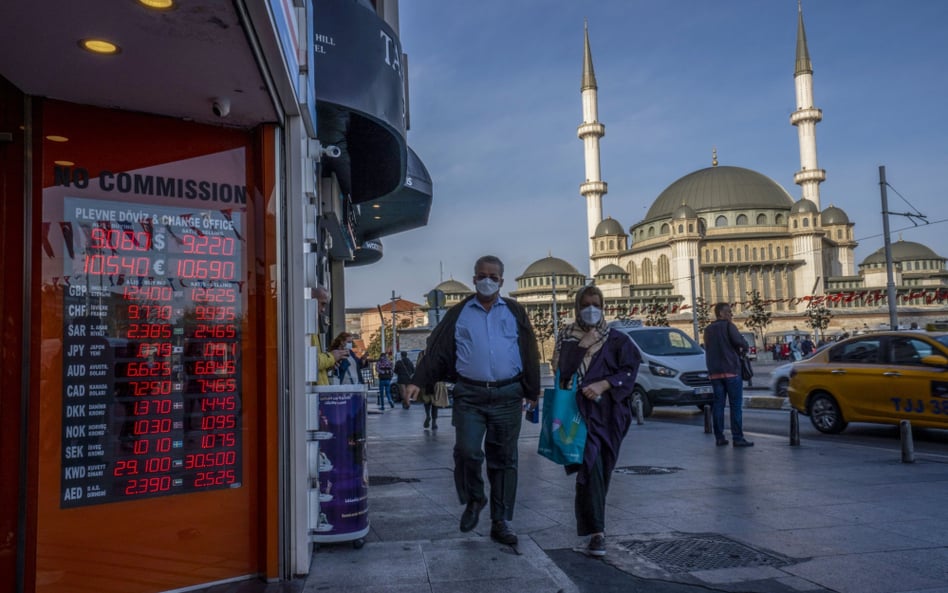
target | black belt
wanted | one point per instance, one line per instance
(489, 384)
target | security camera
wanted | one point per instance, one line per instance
(332, 151)
(220, 107)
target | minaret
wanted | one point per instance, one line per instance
(805, 118)
(590, 131)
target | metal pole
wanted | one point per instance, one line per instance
(394, 331)
(908, 446)
(890, 282)
(794, 428)
(556, 325)
(382, 338)
(694, 299)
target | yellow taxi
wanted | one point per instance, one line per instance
(881, 377)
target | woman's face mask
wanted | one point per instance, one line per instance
(348, 345)
(591, 315)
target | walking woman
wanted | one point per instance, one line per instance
(605, 362)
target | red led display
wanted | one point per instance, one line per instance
(152, 351)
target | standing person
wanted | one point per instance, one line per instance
(325, 361)
(807, 346)
(404, 369)
(796, 350)
(485, 345)
(606, 363)
(724, 346)
(383, 369)
(349, 369)
(427, 396)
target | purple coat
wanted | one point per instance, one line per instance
(608, 420)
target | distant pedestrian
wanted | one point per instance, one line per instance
(384, 370)
(606, 363)
(796, 349)
(485, 344)
(724, 347)
(404, 370)
(806, 347)
(427, 396)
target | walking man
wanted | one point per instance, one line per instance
(485, 345)
(724, 346)
(404, 369)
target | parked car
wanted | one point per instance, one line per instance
(751, 338)
(780, 376)
(882, 377)
(673, 370)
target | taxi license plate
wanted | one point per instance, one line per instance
(704, 390)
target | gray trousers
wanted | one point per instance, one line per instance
(487, 426)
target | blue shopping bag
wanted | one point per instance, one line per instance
(563, 430)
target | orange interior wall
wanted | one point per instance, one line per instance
(174, 541)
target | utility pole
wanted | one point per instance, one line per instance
(382, 335)
(889, 276)
(394, 330)
(694, 299)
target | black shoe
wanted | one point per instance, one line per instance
(471, 514)
(502, 533)
(434, 426)
(743, 443)
(596, 546)
(427, 422)
(721, 442)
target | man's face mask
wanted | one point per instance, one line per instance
(487, 287)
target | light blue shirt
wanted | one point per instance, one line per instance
(487, 345)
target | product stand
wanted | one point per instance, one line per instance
(336, 456)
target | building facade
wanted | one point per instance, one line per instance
(174, 192)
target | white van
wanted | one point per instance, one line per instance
(673, 370)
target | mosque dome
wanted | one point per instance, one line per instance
(834, 215)
(609, 226)
(548, 266)
(452, 287)
(720, 188)
(903, 251)
(804, 206)
(611, 270)
(684, 211)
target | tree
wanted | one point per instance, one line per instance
(374, 348)
(543, 329)
(759, 316)
(818, 317)
(702, 314)
(656, 315)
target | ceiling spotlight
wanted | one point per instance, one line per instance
(54, 138)
(157, 4)
(99, 46)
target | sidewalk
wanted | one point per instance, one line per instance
(682, 515)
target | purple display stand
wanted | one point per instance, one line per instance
(340, 511)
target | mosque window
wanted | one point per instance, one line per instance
(681, 228)
(755, 254)
(707, 255)
(839, 233)
(664, 230)
(770, 250)
(730, 255)
(612, 244)
(761, 219)
(720, 221)
(702, 226)
(631, 270)
(647, 271)
(786, 252)
(691, 228)
(741, 219)
(806, 222)
(746, 252)
(794, 224)
(714, 255)
(602, 245)
(778, 219)
(664, 272)
(651, 231)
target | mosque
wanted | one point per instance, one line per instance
(723, 232)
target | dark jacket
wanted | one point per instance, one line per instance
(404, 370)
(440, 360)
(723, 347)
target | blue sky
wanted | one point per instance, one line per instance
(495, 102)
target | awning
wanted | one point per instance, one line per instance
(360, 98)
(402, 210)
